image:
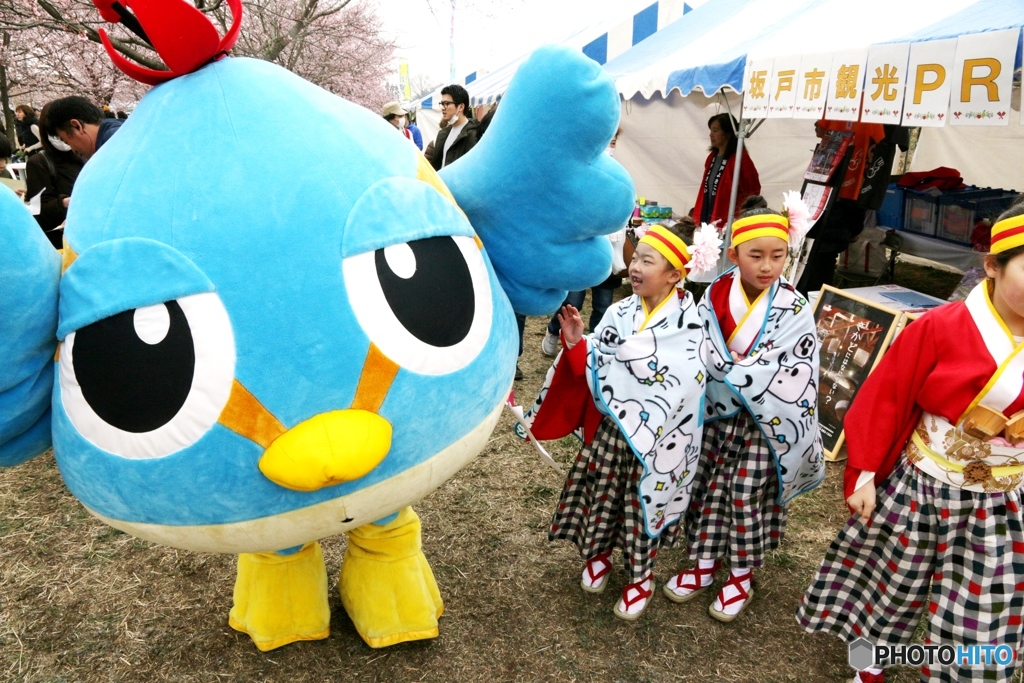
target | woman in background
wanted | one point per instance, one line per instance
(712, 204)
(28, 129)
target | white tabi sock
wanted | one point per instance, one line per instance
(682, 584)
(598, 563)
(728, 592)
(706, 579)
(637, 606)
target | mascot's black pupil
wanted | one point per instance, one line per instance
(130, 384)
(437, 302)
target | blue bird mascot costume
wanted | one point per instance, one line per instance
(227, 361)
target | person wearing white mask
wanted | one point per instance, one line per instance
(80, 124)
(397, 117)
(52, 172)
(610, 151)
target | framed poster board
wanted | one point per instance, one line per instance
(854, 333)
(906, 320)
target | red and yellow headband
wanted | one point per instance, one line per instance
(1007, 234)
(765, 225)
(668, 245)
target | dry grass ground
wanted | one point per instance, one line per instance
(82, 602)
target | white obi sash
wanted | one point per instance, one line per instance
(958, 459)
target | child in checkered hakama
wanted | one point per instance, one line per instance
(636, 387)
(735, 514)
(600, 507)
(938, 529)
(760, 409)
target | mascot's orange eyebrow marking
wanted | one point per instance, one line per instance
(67, 257)
(378, 373)
(426, 173)
(245, 415)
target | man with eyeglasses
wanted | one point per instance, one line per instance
(460, 135)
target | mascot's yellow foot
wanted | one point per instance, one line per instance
(386, 584)
(280, 599)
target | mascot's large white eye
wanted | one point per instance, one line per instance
(425, 304)
(150, 381)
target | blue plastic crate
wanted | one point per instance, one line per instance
(890, 215)
(960, 211)
(920, 212)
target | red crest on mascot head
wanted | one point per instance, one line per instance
(182, 35)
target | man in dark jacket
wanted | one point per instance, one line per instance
(455, 140)
(80, 124)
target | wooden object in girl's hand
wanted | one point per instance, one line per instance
(1014, 431)
(984, 423)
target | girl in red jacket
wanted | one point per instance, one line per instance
(934, 477)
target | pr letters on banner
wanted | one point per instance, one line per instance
(983, 79)
(929, 78)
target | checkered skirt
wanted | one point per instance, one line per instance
(733, 513)
(957, 554)
(599, 509)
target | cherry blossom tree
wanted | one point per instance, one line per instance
(336, 44)
(51, 48)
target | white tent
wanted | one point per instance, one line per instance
(663, 81)
(601, 41)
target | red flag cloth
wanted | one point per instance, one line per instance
(941, 178)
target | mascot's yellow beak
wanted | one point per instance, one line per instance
(329, 448)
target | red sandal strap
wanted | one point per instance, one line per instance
(696, 572)
(607, 566)
(737, 583)
(641, 593)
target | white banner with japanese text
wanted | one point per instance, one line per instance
(783, 91)
(966, 81)
(757, 79)
(812, 87)
(844, 90)
(884, 83)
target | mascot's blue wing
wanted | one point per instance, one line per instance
(29, 278)
(539, 189)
